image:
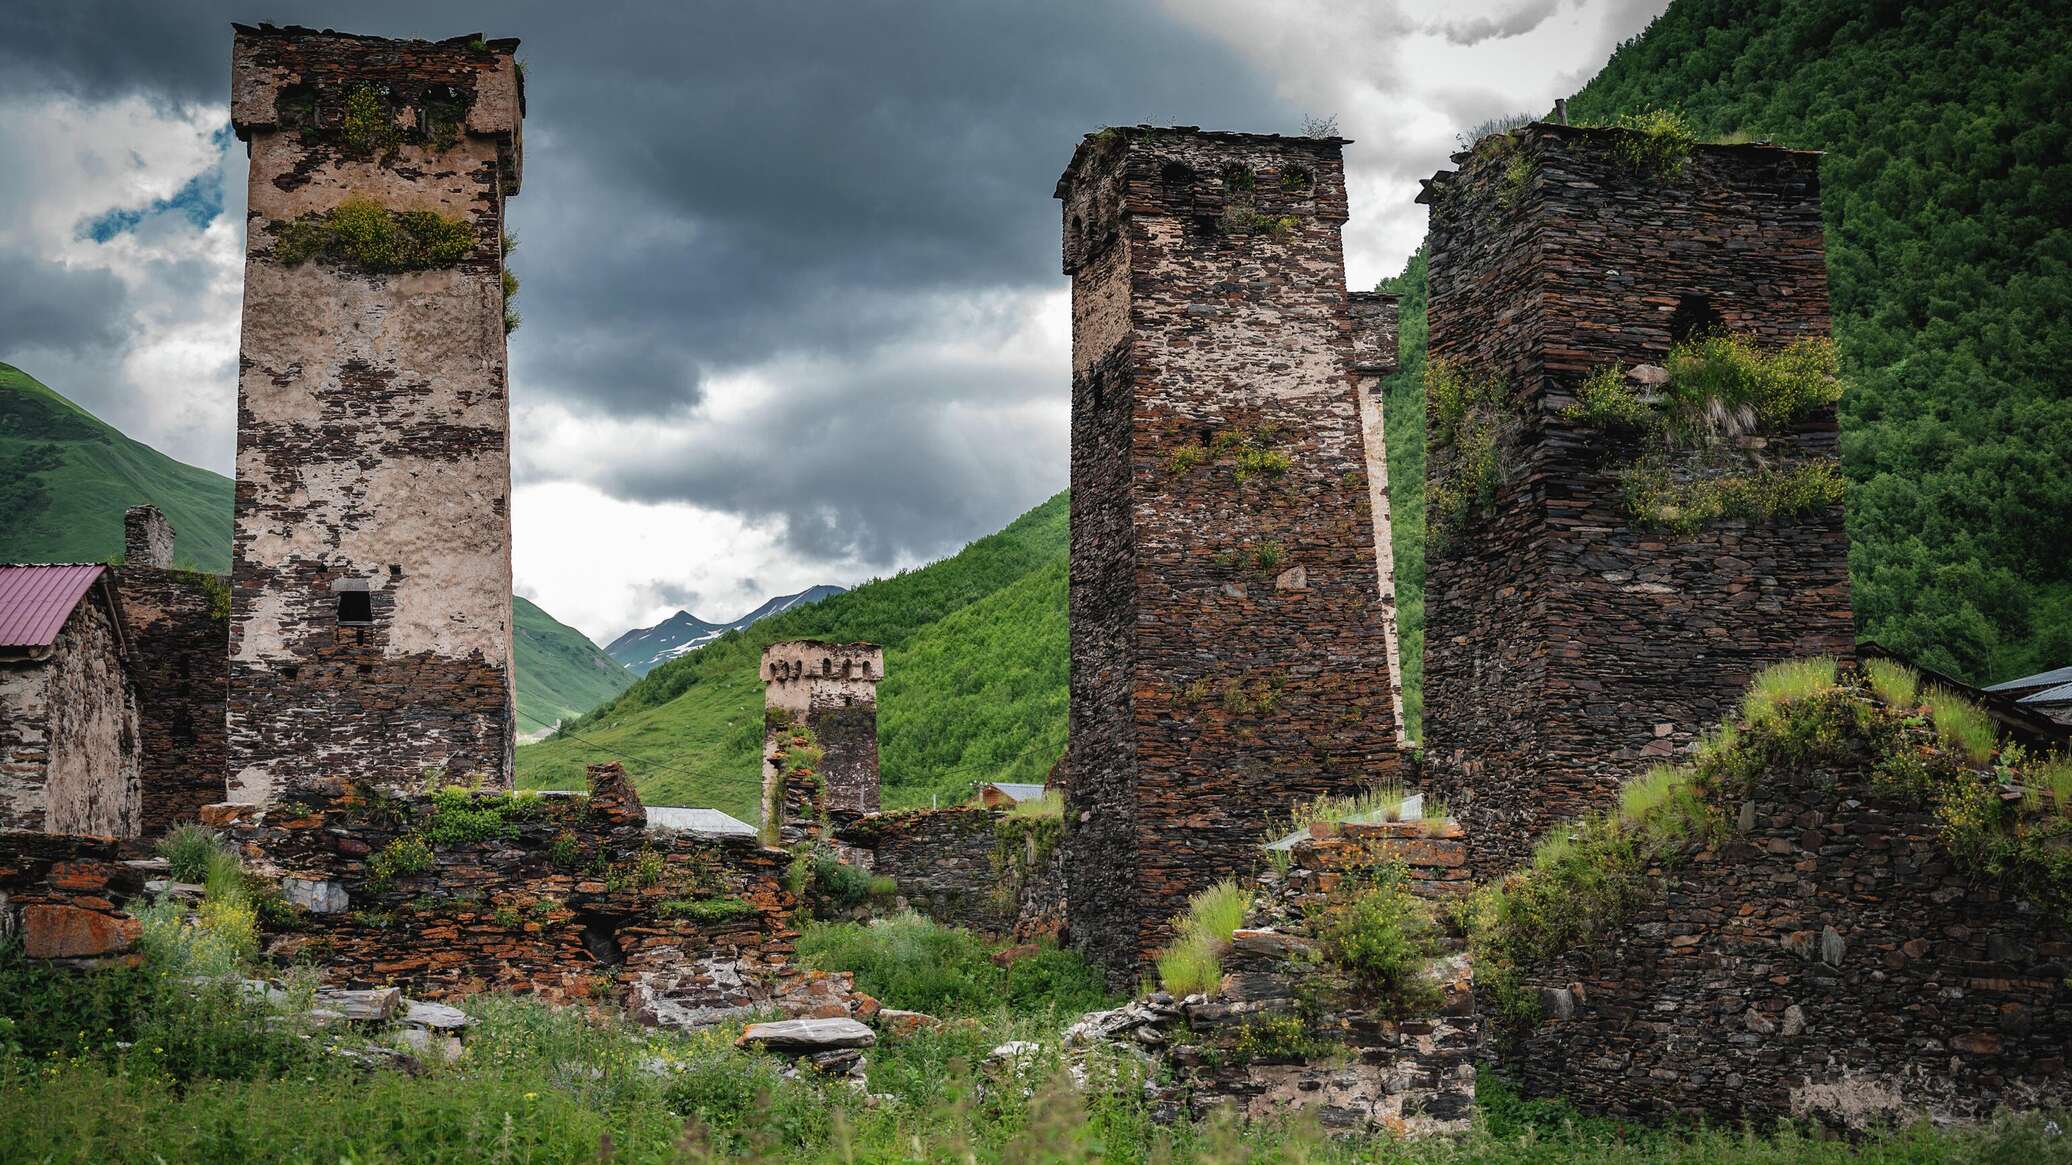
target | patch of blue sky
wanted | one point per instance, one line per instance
(199, 201)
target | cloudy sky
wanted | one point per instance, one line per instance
(791, 294)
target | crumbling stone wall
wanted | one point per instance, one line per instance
(1356, 1064)
(178, 623)
(64, 896)
(68, 730)
(571, 898)
(1228, 651)
(983, 869)
(1827, 962)
(1568, 646)
(832, 689)
(371, 616)
(1285, 1031)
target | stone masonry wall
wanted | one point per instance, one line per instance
(571, 898)
(1285, 1032)
(64, 896)
(1375, 343)
(371, 617)
(1827, 963)
(178, 625)
(982, 869)
(1567, 647)
(1228, 651)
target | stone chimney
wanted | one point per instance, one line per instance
(147, 538)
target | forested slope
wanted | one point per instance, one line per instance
(1948, 201)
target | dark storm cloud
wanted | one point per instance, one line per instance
(1516, 22)
(711, 187)
(50, 307)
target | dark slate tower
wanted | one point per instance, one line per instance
(1229, 654)
(1573, 636)
(371, 577)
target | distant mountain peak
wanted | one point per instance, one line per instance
(644, 648)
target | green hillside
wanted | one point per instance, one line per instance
(561, 674)
(1948, 201)
(66, 478)
(974, 683)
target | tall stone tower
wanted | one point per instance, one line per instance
(1606, 584)
(371, 578)
(1229, 655)
(832, 690)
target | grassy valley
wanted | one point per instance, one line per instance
(974, 683)
(561, 674)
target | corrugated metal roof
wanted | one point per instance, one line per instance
(1019, 792)
(2062, 694)
(2053, 677)
(35, 601)
(695, 820)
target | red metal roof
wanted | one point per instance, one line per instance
(35, 601)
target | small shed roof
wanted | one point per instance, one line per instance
(2062, 694)
(2043, 679)
(35, 601)
(695, 820)
(1017, 791)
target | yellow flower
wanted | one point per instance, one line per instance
(532, 1096)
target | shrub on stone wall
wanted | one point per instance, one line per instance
(1380, 935)
(1472, 430)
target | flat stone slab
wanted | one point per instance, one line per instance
(436, 1016)
(372, 1005)
(808, 1035)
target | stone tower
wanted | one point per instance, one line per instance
(1585, 619)
(1229, 651)
(831, 689)
(371, 577)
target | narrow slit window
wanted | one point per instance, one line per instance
(355, 608)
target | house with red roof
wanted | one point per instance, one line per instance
(69, 738)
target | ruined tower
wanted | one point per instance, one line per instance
(371, 582)
(830, 690)
(1229, 655)
(1613, 551)
(177, 622)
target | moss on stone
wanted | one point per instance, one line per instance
(1656, 498)
(360, 233)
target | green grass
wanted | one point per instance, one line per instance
(1192, 962)
(1782, 683)
(1898, 685)
(561, 674)
(1961, 724)
(974, 689)
(910, 962)
(66, 478)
